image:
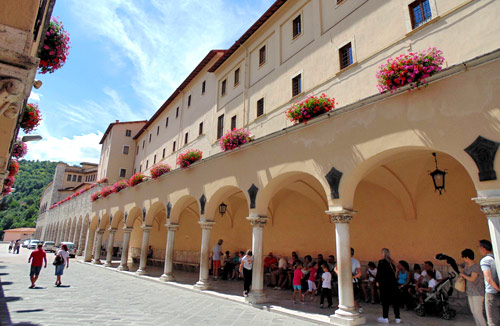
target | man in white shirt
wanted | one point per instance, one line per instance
(216, 254)
(428, 266)
(491, 283)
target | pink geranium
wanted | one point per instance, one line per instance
(189, 157)
(234, 139)
(309, 108)
(159, 169)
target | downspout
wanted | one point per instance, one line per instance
(245, 89)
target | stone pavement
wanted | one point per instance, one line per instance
(101, 296)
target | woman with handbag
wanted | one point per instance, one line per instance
(474, 286)
(62, 259)
(388, 285)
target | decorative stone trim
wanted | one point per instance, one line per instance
(111, 230)
(127, 230)
(172, 227)
(483, 152)
(342, 216)
(490, 206)
(146, 228)
(258, 221)
(207, 225)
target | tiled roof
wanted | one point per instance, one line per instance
(117, 123)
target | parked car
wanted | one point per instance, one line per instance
(33, 244)
(49, 246)
(26, 243)
(71, 248)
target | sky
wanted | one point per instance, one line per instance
(126, 58)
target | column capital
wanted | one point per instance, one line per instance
(341, 216)
(146, 228)
(258, 220)
(206, 224)
(172, 227)
(111, 230)
(101, 232)
(127, 230)
(490, 206)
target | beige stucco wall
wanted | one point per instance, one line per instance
(15, 235)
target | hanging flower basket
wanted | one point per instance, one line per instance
(159, 169)
(6, 190)
(412, 68)
(95, 196)
(136, 179)
(106, 191)
(119, 186)
(309, 108)
(31, 118)
(13, 168)
(189, 157)
(55, 48)
(234, 139)
(19, 149)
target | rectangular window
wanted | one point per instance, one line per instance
(220, 126)
(345, 55)
(200, 129)
(150, 137)
(203, 87)
(260, 107)
(123, 172)
(166, 122)
(140, 168)
(128, 133)
(189, 100)
(143, 142)
(79, 178)
(262, 55)
(223, 88)
(163, 155)
(125, 149)
(157, 130)
(186, 137)
(233, 122)
(137, 152)
(74, 178)
(297, 85)
(154, 160)
(69, 177)
(173, 147)
(236, 77)
(147, 164)
(297, 26)
(420, 12)
(339, 1)
(177, 112)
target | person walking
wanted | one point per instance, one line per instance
(17, 245)
(492, 289)
(11, 246)
(246, 266)
(63, 253)
(474, 287)
(326, 287)
(216, 253)
(386, 282)
(37, 258)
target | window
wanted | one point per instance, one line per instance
(163, 154)
(203, 87)
(339, 1)
(143, 142)
(149, 137)
(166, 122)
(125, 149)
(186, 137)
(297, 85)
(345, 55)
(233, 122)
(220, 126)
(147, 164)
(69, 177)
(260, 107)
(137, 151)
(297, 26)
(262, 55)
(177, 112)
(79, 178)
(123, 172)
(86, 178)
(128, 133)
(236, 77)
(154, 160)
(189, 100)
(200, 129)
(134, 170)
(420, 13)
(173, 147)
(223, 88)
(74, 178)
(157, 130)
(140, 168)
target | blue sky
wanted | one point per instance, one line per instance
(126, 58)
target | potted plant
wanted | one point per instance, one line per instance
(412, 68)
(234, 139)
(13, 168)
(19, 149)
(95, 196)
(55, 48)
(309, 108)
(106, 191)
(159, 169)
(120, 185)
(189, 157)
(136, 179)
(31, 118)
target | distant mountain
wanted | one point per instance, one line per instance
(20, 209)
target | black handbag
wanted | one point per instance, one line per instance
(58, 261)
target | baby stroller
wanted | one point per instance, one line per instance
(436, 302)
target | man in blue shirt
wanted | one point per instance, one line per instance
(492, 290)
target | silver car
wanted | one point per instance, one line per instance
(49, 246)
(71, 248)
(33, 244)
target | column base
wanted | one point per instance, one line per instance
(202, 285)
(257, 297)
(347, 318)
(141, 272)
(107, 264)
(122, 268)
(167, 278)
(96, 261)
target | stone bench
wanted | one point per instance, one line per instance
(156, 261)
(187, 266)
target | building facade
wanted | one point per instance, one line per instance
(357, 176)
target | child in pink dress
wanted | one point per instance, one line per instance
(297, 277)
(311, 282)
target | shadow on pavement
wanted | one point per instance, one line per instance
(10, 299)
(63, 286)
(24, 324)
(4, 310)
(29, 310)
(3, 274)
(6, 283)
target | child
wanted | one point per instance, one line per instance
(297, 276)
(417, 272)
(326, 287)
(432, 284)
(371, 273)
(311, 285)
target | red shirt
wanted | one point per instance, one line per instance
(268, 261)
(38, 257)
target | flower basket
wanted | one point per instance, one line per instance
(234, 139)
(13, 168)
(189, 157)
(55, 48)
(136, 179)
(309, 108)
(31, 118)
(159, 169)
(95, 196)
(19, 149)
(6, 190)
(119, 186)
(106, 191)
(9, 181)
(412, 68)
(103, 180)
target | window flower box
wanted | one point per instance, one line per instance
(19, 149)
(189, 157)
(55, 48)
(95, 196)
(31, 118)
(159, 169)
(234, 139)
(309, 108)
(119, 186)
(106, 191)
(13, 168)
(136, 179)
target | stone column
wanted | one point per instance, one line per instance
(126, 242)
(109, 252)
(206, 227)
(257, 295)
(144, 250)
(346, 314)
(83, 234)
(490, 206)
(97, 249)
(168, 274)
(88, 245)
(76, 234)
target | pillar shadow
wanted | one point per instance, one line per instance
(3, 274)
(63, 286)
(29, 310)
(4, 310)
(6, 283)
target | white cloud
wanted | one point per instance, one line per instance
(35, 96)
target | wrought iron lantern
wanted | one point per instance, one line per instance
(438, 176)
(222, 209)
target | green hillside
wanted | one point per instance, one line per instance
(20, 209)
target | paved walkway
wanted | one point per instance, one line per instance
(101, 296)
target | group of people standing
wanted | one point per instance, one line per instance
(38, 259)
(14, 246)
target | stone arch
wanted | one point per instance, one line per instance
(94, 223)
(117, 217)
(104, 221)
(133, 214)
(186, 202)
(156, 209)
(224, 194)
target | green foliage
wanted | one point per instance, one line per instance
(20, 209)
